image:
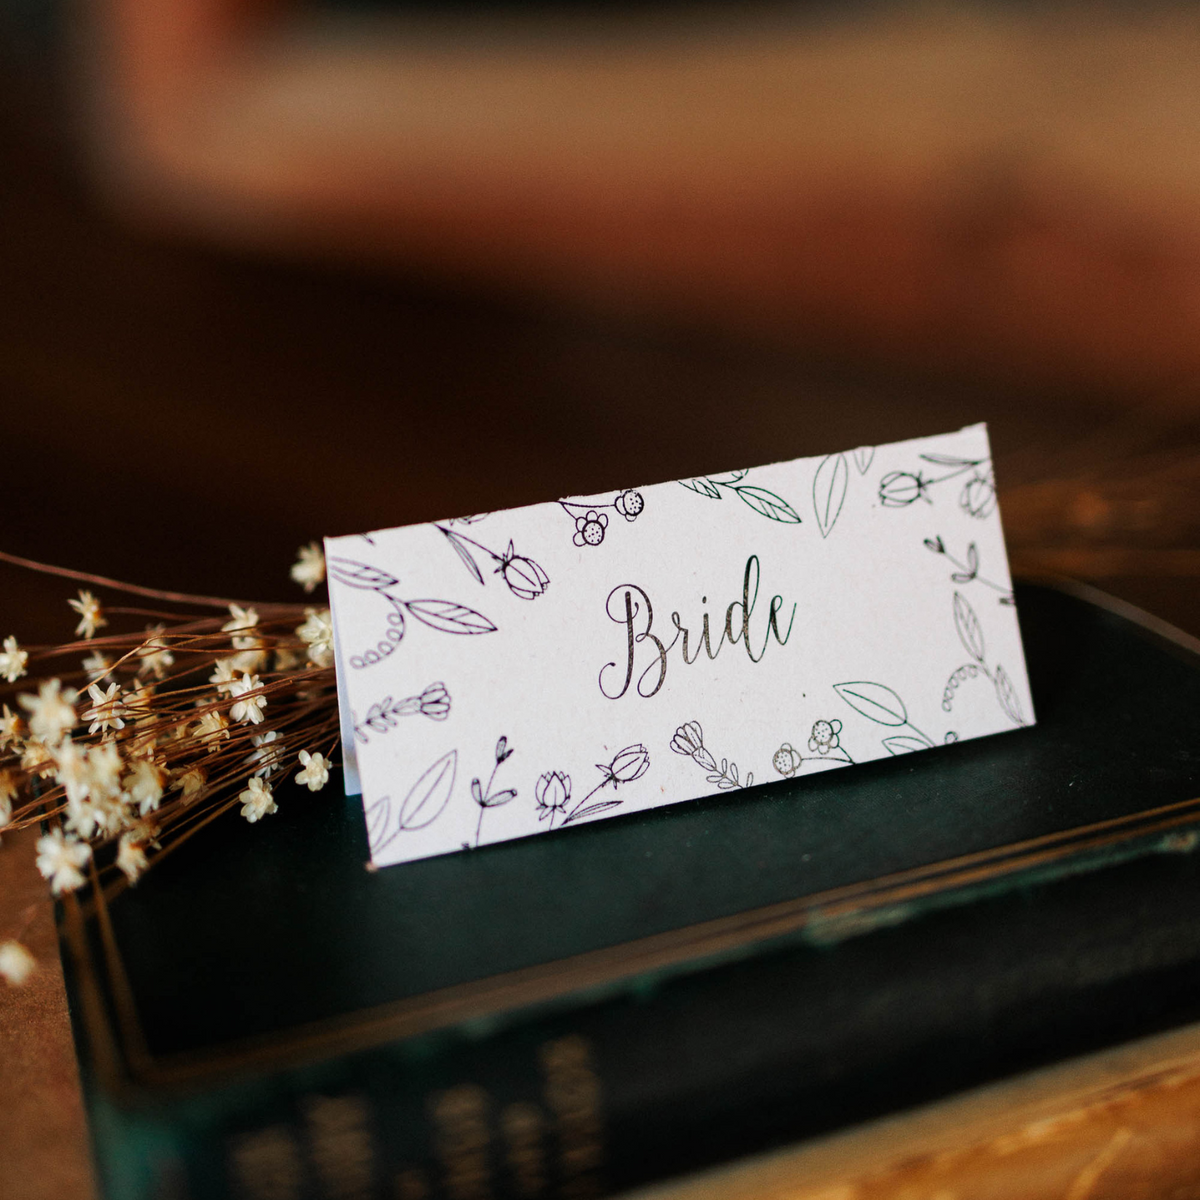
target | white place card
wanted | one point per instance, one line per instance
(514, 672)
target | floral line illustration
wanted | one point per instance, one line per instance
(879, 703)
(385, 714)
(970, 633)
(425, 801)
(766, 504)
(591, 519)
(523, 577)
(968, 572)
(898, 489)
(830, 483)
(446, 616)
(553, 789)
(689, 741)
(486, 798)
(824, 746)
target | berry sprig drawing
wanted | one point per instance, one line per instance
(970, 633)
(553, 789)
(522, 576)
(689, 741)
(824, 746)
(446, 616)
(899, 489)
(591, 516)
(968, 572)
(765, 503)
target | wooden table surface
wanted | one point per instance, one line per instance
(186, 418)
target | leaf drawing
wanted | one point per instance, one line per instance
(730, 477)
(767, 504)
(460, 548)
(903, 743)
(971, 568)
(592, 810)
(702, 487)
(875, 701)
(970, 632)
(428, 797)
(378, 816)
(829, 491)
(449, 617)
(360, 575)
(863, 457)
(1006, 693)
(951, 460)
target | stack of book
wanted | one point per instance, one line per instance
(655, 1000)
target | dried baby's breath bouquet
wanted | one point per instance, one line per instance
(124, 744)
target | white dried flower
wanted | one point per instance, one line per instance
(91, 616)
(240, 618)
(36, 758)
(317, 634)
(309, 568)
(16, 963)
(12, 660)
(191, 784)
(97, 814)
(144, 785)
(9, 790)
(50, 713)
(107, 711)
(97, 666)
(224, 675)
(212, 726)
(155, 658)
(249, 701)
(268, 752)
(251, 654)
(60, 859)
(257, 801)
(131, 856)
(71, 770)
(10, 728)
(104, 767)
(316, 771)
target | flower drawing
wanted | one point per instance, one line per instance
(590, 527)
(384, 715)
(522, 576)
(552, 792)
(898, 489)
(824, 736)
(629, 504)
(978, 497)
(688, 740)
(786, 760)
(485, 798)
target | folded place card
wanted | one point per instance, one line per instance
(510, 673)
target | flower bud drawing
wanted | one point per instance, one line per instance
(552, 791)
(630, 764)
(522, 575)
(898, 489)
(978, 496)
(435, 702)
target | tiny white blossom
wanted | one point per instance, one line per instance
(316, 771)
(256, 801)
(60, 859)
(249, 702)
(72, 770)
(16, 963)
(36, 758)
(13, 660)
(99, 814)
(144, 785)
(91, 615)
(309, 568)
(317, 635)
(224, 675)
(10, 728)
(241, 618)
(251, 654)
(107, 711)
(191, 784)
(50, 712)
(268, 752)
(212, 727)
(131, 856)
(104, 770)
(154, 657)
(97, 666)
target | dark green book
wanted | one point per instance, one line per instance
(584, 1011)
